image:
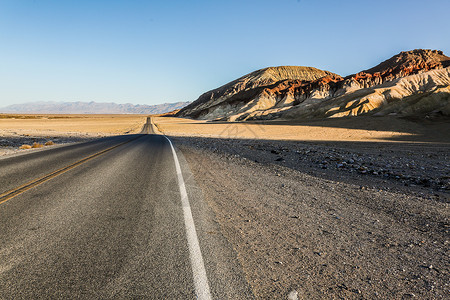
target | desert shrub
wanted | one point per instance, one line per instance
(49, 143)
(25, 147)
(37, 145)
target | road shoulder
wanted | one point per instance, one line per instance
(320, 237)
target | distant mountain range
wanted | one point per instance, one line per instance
(414, 83)
(91, 108)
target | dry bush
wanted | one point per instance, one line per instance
(49, 143)
(25, 147)
(37, 145)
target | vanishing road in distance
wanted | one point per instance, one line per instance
(118, 217)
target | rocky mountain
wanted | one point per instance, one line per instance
(91, 108)
(412, 83)
(227, 99)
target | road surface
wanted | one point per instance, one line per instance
(106, 219)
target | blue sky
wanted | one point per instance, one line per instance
(150, 52)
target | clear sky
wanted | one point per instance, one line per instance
(150, 52)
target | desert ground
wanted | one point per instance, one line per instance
(352, 208)
(361, 129)
(17, 130)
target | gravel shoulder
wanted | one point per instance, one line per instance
(330, 220)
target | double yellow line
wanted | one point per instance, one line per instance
(25, 187)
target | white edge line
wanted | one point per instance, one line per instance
(197, 264)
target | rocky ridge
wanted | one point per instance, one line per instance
(227, 98)
(412, 83)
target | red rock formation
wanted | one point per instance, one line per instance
(245, 88)
(401, 65)
(404, 64)
(268, 93)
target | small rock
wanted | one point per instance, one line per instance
(293, 295)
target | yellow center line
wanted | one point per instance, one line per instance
(35, 182)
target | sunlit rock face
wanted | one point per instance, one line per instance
(412, 83)
(227, 100)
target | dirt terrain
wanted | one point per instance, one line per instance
(17, 130)
(365, 217)
(361, 129)
(339, 238)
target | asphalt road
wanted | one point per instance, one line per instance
(109, 224)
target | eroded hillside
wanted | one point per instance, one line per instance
(227, 99)
(412, 83)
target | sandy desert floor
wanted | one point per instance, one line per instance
(17, 130)
(370, 129)
(67, 124)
